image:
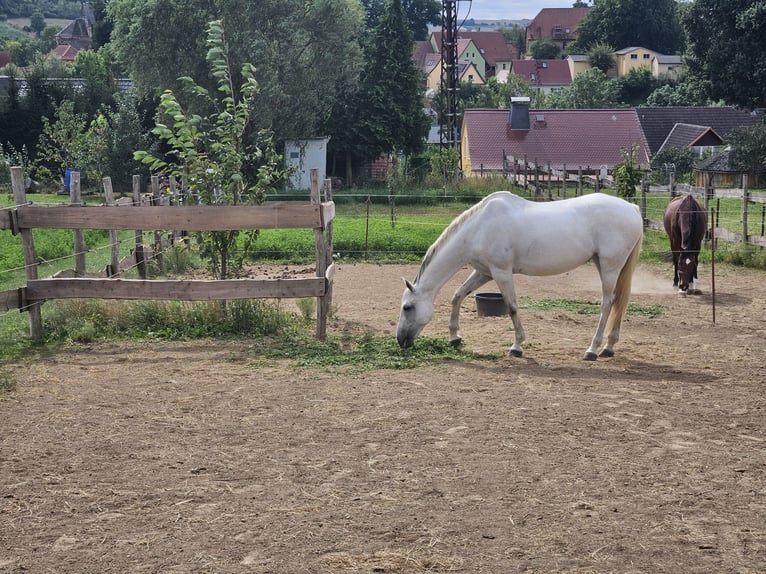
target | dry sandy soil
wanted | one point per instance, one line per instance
(201, 457)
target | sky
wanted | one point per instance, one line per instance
(506, 9)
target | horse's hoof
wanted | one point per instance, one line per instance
(456, 342)
(589, 356)
(606, 353)
(516, 353)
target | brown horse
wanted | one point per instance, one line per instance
(685, 223)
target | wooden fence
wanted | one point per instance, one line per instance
(544, 181)
(25, 217)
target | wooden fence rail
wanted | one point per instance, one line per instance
(22, 219)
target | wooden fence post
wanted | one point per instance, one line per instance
(114, 239)
(75, 197)
(321, 257)
(579, 181)
(140, 262)
(30, 258)
(156, 200)
(745, 201)
(644, 191)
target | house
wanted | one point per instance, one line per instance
(698, 138)
(666, 66)
(79, 32)
(658, 123)
(543, 75)
(629, 59)
(571, 138)
(495, 51)
(556, 24)
(722, 170)
(471, 65)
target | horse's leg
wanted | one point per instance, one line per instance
(474, 281)
(676, 256)
(608, 282)
(507, 287)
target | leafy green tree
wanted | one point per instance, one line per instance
(306, 51)
(124, 135)
(636, 86)
(95, 67)
(749, 147)
(387, 113)
(71, 141)
(420, 13)
(37, 23)
(601, 56)
(731, 61)
(515, 35)
(214, 153)
(543, 49)
(690, 91)
(590, 89)
(627, 174)
(651, 24)
(681, 158)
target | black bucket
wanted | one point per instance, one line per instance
(491, 305)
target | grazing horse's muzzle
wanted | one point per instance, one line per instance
(405, 341)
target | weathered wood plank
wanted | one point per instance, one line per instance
(273, 215)
(196, 290)
(10, 300)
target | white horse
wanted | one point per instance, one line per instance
(506, 234)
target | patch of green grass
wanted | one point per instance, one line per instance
(587, 307)
(362, 354)
(7, 382)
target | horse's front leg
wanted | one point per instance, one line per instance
(474, 281)
(676, 257)
(505, 282)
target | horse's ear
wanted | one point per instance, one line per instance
(409, 285)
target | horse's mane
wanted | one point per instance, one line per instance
(451, 229)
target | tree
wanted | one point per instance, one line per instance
(387, 115)
(306, 51)
(749, 147)
(732, 61)
(71, 141)
(515, 35)
(636, 86)
(420, 13)
(627, 174)
(601, 56)
(37, 23)
(543, 49)
(690, 91)
(651, 24)
(214, 153)
(590, 89)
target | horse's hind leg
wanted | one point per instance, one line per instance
(607, 290)
(474, 281)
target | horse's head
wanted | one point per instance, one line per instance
(687, 264)
(416, 311)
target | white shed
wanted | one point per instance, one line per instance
(301, 156)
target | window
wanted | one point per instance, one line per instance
(647, 56)
(634, 56)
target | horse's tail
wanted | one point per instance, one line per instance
(622, 289)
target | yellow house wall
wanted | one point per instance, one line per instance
(465, 156)
(577, 67)
(643, 60)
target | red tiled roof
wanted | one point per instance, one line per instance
(547, 19)
(575, 138)
(65, 52)
(546, 72)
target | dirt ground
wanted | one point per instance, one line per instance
(201, 457)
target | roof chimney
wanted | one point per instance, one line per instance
(519, 118)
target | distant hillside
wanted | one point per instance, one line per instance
(68, 9)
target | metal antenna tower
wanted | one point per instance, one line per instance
(448, 130)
